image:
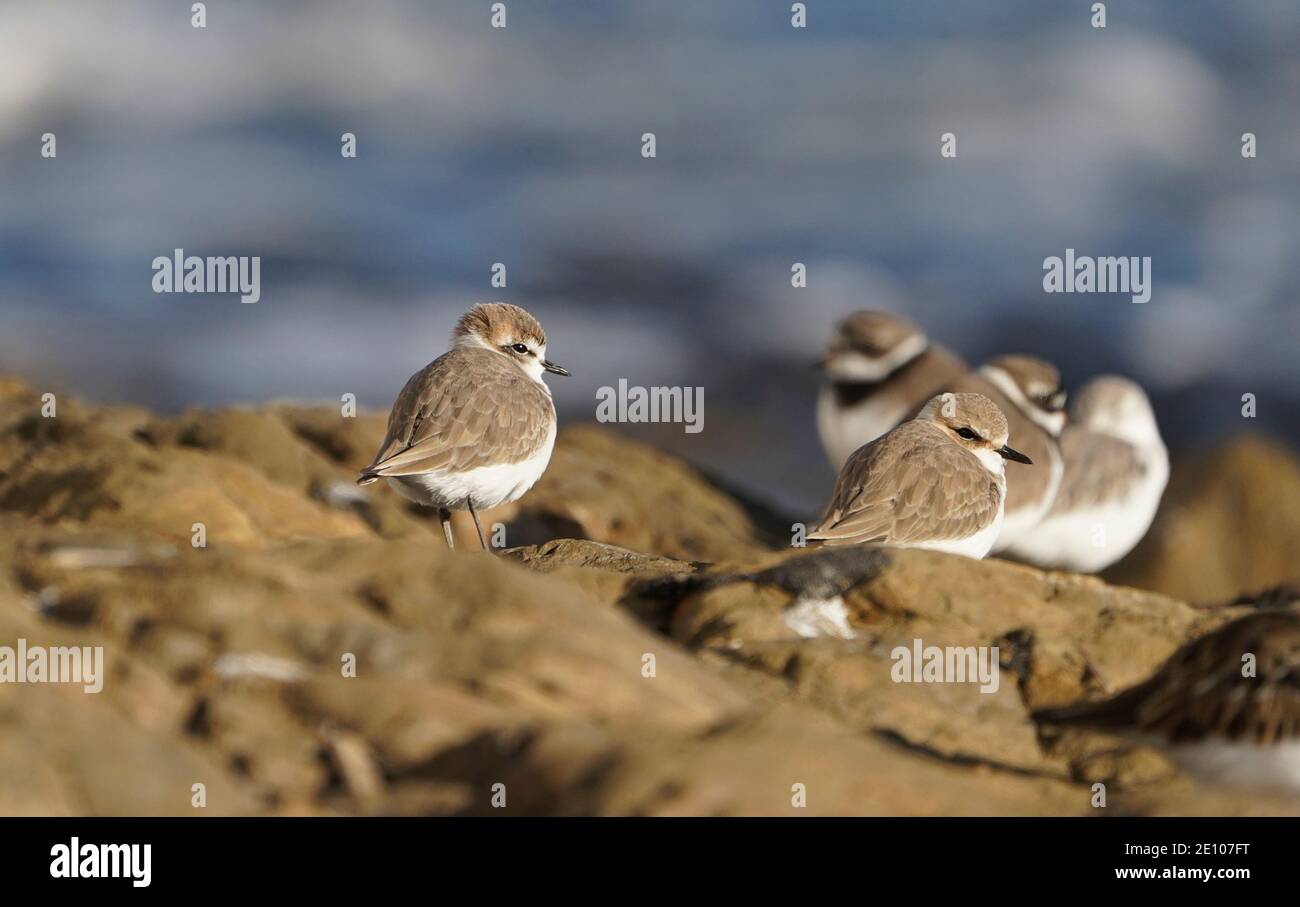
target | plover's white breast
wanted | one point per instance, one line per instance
(844, 428)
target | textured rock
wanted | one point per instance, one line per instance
(325, 654)
(1229, 524)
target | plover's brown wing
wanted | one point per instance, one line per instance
(910, 485)
(1201, 691)
(462, 411)
(1099, 468)
(1027, 484)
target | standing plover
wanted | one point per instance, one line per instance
(1116, 468)
(880, 368)
(1028, 391)
(475, 427)
(935, 482)
(1225, 707)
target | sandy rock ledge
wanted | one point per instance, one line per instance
(224, 665)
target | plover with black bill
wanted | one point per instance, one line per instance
(1028, 392)
(935, 482)
(1225, 707)
(880, 368)
(474, 428)
(1116, 468)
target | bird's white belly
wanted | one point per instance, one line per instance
(484, 486)
(1092, 539)
(844, 429)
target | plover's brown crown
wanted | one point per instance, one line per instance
(916, 484)
(1201, 694)
(1037, 379)
(974, 411)
(874, 333)
(1104, 396)
(498, 324)
(1028, 486)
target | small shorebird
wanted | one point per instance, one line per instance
(1028, 391)
(880, 368)
(1220, 715)
(935, 482)
(1116, 468)
(475, 427)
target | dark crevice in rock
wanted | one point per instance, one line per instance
(375, 600)
(710, 629)
(822, 573)
(330, 445)
(76, 610)
(539, 528)
(1279, 596)
(494, 757)
(199, 722)
(896, 739)
(655, 601)
(1016, 651)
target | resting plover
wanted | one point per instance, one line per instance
(935, 482)
(880, 368)
(475, 427)
(1226, 706)
(1116, 468)
(1028, 391)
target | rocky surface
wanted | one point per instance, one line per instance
(1229, 524)
(633, 651)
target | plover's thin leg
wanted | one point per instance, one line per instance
(472, 512)
(445, 515)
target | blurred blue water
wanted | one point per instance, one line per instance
(775, 145)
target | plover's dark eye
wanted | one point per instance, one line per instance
(520, 348)
(967, 434)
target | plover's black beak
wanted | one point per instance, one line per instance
(1016, 455)
(553, 368)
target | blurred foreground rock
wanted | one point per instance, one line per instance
(631, 653)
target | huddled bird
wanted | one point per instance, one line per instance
(1116, 468)
(937, 481)
(1098, 469)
